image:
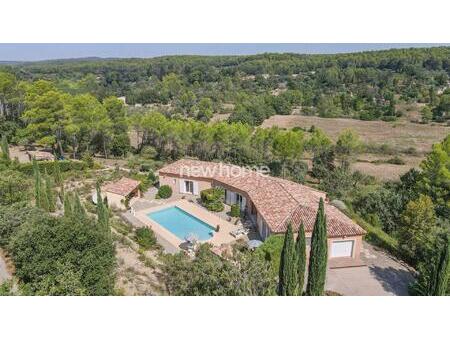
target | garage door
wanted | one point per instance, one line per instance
(342, 249)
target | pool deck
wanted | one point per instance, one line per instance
(221, 237)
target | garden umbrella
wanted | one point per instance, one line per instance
(254, 243)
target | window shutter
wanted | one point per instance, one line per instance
(181, 186)
(195, 188)
(244, 203)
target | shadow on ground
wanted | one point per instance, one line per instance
(392, 279)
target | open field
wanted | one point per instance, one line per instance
(401, 134)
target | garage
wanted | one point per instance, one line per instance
(342, 248)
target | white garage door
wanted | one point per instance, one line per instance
(342, 249)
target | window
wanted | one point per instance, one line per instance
(239, 200)
(189, 187)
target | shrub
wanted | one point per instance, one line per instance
(151, 177)
(235, 210)
(377, 236)
(164, 191)
(212, 199)
(215, 206)
(88, 159)
(14, 187)
(270, 251)
(145, 237)
(12, 217)
(396, 160)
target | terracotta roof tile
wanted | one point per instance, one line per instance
(122, 187)
(279, 201)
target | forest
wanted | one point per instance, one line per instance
(365, 85)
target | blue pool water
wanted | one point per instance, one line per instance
(181, 223)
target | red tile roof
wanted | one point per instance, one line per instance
(279, 201)
(123, 187)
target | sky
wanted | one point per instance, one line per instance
(50, 51)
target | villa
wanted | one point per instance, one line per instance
(270, 202)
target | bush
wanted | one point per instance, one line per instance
(396, 160)
(14, 187)
(235, 210)
(145, 237)
(215, 206)
(12, 217)
(212, 199)
(88, 159)
(151, 177)
(164, 191)
(270, 251)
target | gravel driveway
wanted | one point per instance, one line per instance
(383, 276)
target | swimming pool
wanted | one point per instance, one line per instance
(181, 223)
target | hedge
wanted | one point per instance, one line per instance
(64, 165)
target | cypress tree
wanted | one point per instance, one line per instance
(317, 269)
(57, 174)
(300, 250)
(5, 148)
(37, 184)
(99, 200)
(78, 209)
(49, 193)
(288, 270)
(102, 210)
(442, 272)
(68, 209)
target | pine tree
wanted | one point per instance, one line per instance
(5, 148)
(442, 272)
(49, 193)
(68, 209)
(288, 270)
(318, 255)
(78, 209)
(300, 250)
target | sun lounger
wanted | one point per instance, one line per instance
(239, 232)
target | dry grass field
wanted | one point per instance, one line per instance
(401, 134)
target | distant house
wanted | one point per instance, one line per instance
(120, 191)
(40, 156)
(271, 202)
